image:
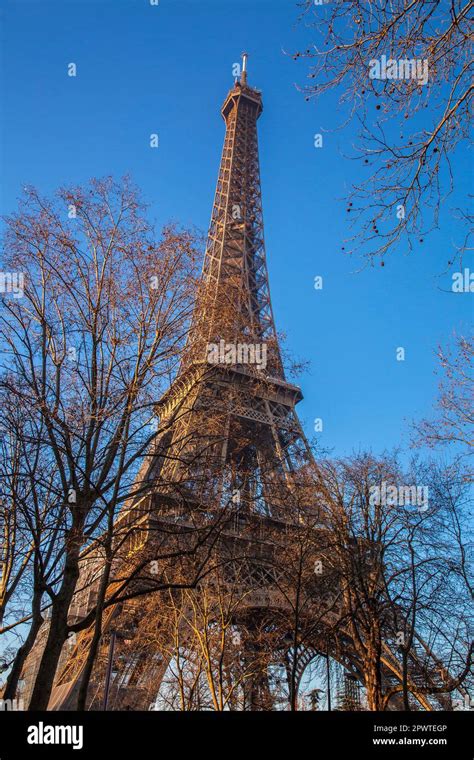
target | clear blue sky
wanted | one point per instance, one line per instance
(166, 69)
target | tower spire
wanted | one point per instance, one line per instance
(235, 301)
(243, 78)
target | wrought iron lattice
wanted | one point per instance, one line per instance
(230, 435)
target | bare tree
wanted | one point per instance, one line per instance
(90, 345)
(32, 515)
(204, 646)
(401, 578)
(308, 596)
(16, 546)
(431, 589)
(453, 423)
(403, 71)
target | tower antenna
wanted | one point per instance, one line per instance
(243, 78)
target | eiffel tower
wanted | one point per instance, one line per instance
(230, 460)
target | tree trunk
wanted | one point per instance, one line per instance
(373, 685)
(23, 652)
(406, 701)
(373, 674)
(58, 630)
(94, 645)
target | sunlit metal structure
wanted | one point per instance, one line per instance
(229, 443)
